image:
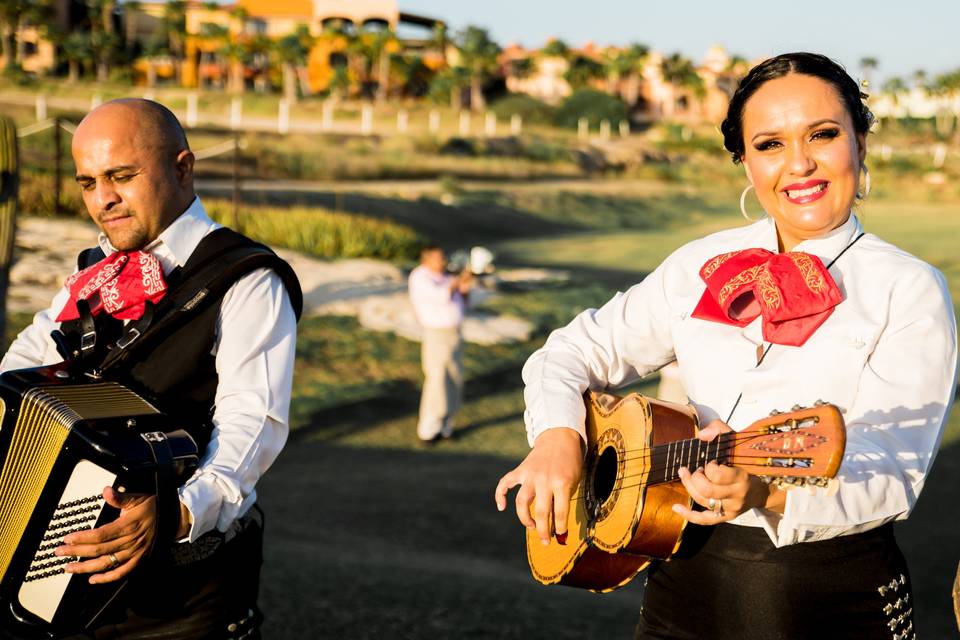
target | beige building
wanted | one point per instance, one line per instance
(653, 99)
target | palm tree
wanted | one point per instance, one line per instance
(947, 86)
(173, 27)
(625, 64)
(555, 48)
(894, 87)
(440, 39)
(11, 14)
(868, 65)
(679, 72)
(291, 51)
(237, 55)
(736, 68)
(478, 55)
(582, 71)
(386, 45)
(411, 74)
(76, 49)
(522, 68)
(448, 85)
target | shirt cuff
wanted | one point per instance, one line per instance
(203, 503)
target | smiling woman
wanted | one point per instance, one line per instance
(799, 126)
(797, 308)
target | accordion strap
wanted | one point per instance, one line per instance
(168, 500)
(205, 286)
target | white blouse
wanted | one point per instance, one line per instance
(887, 357)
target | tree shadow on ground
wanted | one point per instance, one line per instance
(400, 400)
(930, 539)
(471, 223)
(369, 543)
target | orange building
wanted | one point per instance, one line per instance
(246, 21)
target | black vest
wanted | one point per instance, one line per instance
(169, 360)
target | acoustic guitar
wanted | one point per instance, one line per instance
(621, 517)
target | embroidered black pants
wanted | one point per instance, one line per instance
(730, 582)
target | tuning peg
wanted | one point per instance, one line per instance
(775, 412)
(796, 407)
(819, 403)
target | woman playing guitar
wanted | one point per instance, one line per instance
(796, 307)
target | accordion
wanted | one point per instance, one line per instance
(62, 440)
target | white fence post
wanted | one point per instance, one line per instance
(624, 128)
(402, 121)
(605, 129)
(464, 124)
(583, 128)
(516, 125)
(283, 117)
(96, 101)
(191, 110)
(236, 113)
(434, 121)
(41, 107)
(939, 155)
(326, 122)
(366, 119)
(490, 125)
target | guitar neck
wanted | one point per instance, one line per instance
(666, 459)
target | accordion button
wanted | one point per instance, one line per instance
(232, 627)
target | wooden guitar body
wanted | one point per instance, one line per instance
(621, 514)
(631, 523)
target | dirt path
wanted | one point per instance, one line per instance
(397, 544)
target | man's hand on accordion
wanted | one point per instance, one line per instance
(114, 550)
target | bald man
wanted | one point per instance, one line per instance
(225, 376)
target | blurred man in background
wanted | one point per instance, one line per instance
(439, 300)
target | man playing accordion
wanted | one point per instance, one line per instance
(224, 375)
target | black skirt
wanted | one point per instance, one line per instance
(730, 582)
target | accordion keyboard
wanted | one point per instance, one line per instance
(78, 509)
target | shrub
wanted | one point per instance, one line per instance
(36, 197)
(320, 232)
(594, 106)
(531, 110)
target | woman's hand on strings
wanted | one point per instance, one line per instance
(725, 492)
(546, 478)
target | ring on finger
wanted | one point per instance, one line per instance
(114, 560)
(718, 508)
(712, 504)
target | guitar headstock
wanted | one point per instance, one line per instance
(801, 447)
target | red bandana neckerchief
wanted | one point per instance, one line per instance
(124, 280)
(793, 292)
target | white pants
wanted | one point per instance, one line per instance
(441, 355)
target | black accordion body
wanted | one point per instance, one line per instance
(63, 438)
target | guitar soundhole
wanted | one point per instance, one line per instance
(605, 475)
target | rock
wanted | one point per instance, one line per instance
(373, 290)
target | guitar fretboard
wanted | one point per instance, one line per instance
(666, 459)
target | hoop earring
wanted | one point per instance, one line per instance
(866, 182)
(743, 203)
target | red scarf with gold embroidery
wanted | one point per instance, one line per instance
(793, 292)
(120, 284)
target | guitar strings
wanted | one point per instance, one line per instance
(727, 443)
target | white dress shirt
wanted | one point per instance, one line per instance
(434, 304)
(887, 357)
(256, 335)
